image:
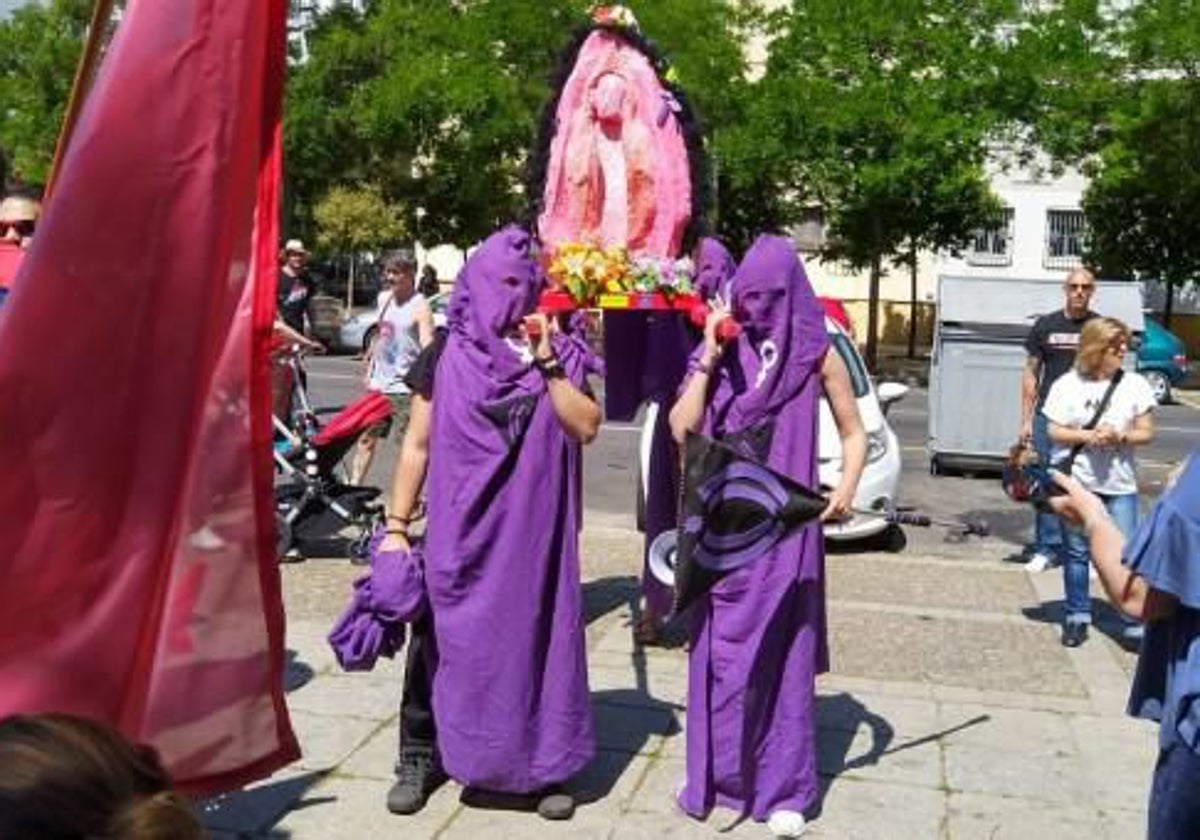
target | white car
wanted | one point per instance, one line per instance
(358, 330)
(880, 480)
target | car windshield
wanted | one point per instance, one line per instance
(854, 365)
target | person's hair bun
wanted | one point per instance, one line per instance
(161, 816)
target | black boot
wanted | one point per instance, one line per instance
(418, 774)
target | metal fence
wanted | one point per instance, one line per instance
(994, 245)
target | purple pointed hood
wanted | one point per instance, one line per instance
(714, 266)
(497, 287)
(783, 339)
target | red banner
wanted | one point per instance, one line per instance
(140, 585)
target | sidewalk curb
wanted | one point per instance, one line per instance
(1189, 398)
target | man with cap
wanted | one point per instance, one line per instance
(296, 286)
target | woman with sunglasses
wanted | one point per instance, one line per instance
(1097, 415)
(18, 220)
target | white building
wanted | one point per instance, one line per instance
(1040, 233)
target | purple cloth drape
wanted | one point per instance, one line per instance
(758, 639)
(510, 692)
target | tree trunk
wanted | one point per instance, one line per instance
(350, 286)
(873, 298)
(912, 301)
(1169, 307)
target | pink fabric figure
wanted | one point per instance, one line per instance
(618, 172)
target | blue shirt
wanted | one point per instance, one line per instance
(1166, 552)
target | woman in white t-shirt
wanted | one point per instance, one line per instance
(1105, 464)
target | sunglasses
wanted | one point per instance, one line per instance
(1081, 287)
(23, 227)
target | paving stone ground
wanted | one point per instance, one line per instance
(951, 712)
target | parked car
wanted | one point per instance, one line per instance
(1162, 359)
(358, 331)
(880, 483)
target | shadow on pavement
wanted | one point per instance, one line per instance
(603, 595)
(248, 812)
(1010, 525)
(840, 718)
(296, 674)
(1106, 619)
(891, 540)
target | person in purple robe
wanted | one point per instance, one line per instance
(510, 688)
(758, 638)
(670, 342)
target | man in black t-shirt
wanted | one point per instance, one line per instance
(1051, 347)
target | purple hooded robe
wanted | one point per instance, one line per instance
(758, 639)
(670, 342)
(510, 693)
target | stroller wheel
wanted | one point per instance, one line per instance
(359, 550)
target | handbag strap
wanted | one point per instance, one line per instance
(1069, 462)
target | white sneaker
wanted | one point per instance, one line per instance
(786, 824)
(1040, 562)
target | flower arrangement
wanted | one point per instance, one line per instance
(585, 271)
(619, 16)
(671, 277)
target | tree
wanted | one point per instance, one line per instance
(39, 49)
(884, 120)
(356, 219)
(1143, 203)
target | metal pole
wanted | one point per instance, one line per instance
(84, 73)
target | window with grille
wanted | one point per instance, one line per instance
(1065, 238)
(993, 245)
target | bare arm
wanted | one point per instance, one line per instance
(1142, 431)
(1130, 593)
(688, 412)
(1070, 436)
(409, 476)
(840, 393)
(577, 412)
(287, 335)
(423, 316)
(1029, 389)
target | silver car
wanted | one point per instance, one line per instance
(358, 331)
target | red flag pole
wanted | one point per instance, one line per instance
(85, 71)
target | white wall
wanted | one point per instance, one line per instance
(1031, 192)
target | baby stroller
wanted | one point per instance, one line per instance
(313, 504)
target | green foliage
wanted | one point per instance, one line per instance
(884, 120)
(356, 219)
(439, 102)
(1063, 76)
(39, 49)
(1143, 203)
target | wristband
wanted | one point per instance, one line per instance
(550, 368)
